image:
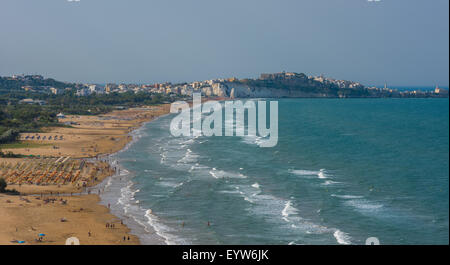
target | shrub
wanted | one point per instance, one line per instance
(3, 185)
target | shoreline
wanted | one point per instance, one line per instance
(139, 227)
(112, 194)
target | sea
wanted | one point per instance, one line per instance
(343, 171)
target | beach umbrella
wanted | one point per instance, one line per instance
(20, 242)
(41, 234)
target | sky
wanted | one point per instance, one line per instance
(400, 42)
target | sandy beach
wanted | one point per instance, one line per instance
(87, 136)
(23, 218)
(64, 162)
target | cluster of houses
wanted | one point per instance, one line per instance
(338, 83)
(24, 78)
(208, 88)
(213, 87)
(437, 92)
(45, 89)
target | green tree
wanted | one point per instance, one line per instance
(3, 185)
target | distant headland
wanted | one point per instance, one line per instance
(273, 85)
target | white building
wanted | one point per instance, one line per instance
(55, 90)
(83, 92)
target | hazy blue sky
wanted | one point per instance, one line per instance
(402, 42)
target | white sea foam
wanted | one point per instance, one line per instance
(162, 230)
(321, 174)
(364, 206)
(277, 209)
(108, 184)
(168, 184)
(197, 167)
(266, 205)
(132, 209)
(347, 196)
(288, 210)
(228, 192)
(330, 182)
(124, 172)
(301, 172)
(215, 173)
(219, 174)
(179, 185)
(127, 195)
(248, 199)
(255, 185)
(253, 139)
(189, 141)
(342, 237)
(189, 157)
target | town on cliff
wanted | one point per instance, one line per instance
(273, 85)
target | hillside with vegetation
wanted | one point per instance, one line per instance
(17, 116)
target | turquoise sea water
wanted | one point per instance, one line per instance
(343, 171)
